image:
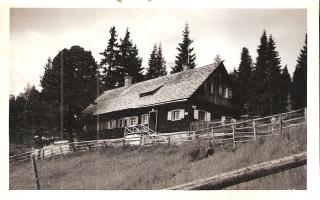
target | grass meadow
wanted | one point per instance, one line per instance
(162, 166)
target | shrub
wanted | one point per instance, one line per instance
(196, 151)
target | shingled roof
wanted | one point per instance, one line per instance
(165, 89)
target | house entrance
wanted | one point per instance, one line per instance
(153, 120)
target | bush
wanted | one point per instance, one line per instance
(196, 151)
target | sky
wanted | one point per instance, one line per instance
(36, 34)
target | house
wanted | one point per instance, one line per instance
(165, 104)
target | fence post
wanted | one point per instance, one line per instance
(51, 152)
(233, 134)
(105, 144)
(43, 153)
(169, 140)
(61, 150)
(212, 135)
(34, 165)
(254, 130)
(305, 114)
(89, 146)
(280, 121)
(140, 140)
(124, 142)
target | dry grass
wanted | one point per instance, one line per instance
(163, 166)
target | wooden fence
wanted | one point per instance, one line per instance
(224, 180)
(233, 133)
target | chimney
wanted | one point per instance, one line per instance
(127, 81)
(185, 67)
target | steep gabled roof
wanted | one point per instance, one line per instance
(165, 89)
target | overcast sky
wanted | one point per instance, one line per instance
(36, 34)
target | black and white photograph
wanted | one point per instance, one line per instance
(158, 98)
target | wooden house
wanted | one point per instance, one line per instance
(165, 104)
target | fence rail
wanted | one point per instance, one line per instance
(245, 174)
(238, 132)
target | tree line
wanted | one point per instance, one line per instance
(264, 87)
(73, 79)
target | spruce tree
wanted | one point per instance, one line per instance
(185, 55)
(244, 77)
(109, 62)
(272, 79)
(285, 85)
(151, 71)
(299, 85)
(157, 64)
(261, 65)
(161, 63)
(129, 61)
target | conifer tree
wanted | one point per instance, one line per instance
(161, 63)
(157, 66)
(299, 85)
(272, 79)
(185, 55)
(285, 85)
(261, 65)
(129, 61)
(109, 62)
(244, 77)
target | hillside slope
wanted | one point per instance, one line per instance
(163, 166)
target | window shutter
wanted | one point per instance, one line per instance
(181, 113)
(208, 117)
(220, 90)
(169, 115)
(196, 114)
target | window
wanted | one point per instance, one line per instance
(175, 115)
(225, 92)
(133, 120)
(122, 122)
(202, 115)
(145, 119)
(211, 88)
(111, 124)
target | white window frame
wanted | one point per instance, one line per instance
(121, 122)
(111, 124)
(171, 114)
(145, 119)
(207, 115)
(133, 119)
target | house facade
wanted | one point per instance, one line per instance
(165, 104)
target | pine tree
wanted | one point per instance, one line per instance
(244, 77)
(129, 61)
(156, 63)
(299, 85)
(285, 88)
(109, 62)
(185, 55)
